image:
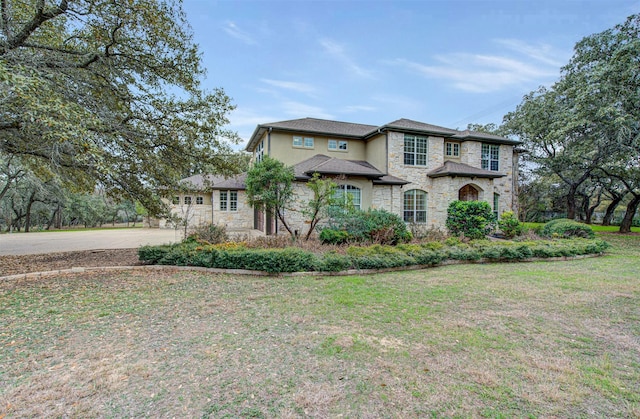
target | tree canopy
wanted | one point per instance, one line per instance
(586, 127)
(108, 92)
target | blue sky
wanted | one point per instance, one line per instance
(447, 63)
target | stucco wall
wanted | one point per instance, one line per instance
(282, 148)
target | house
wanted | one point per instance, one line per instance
(410, 168)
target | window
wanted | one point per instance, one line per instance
(490, 157)
(349, 194)
(199, 200)
(452, 149)
(228, 200)
(260, 152)
(415, 206)
(337, 145)
(306, 142)
(187, 200)
(176, 200)
(415, 150)
(496, 203)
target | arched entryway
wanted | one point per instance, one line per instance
(468, 193)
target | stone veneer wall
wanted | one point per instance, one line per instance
(240, 219)
(442, 191)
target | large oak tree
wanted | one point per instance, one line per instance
(109, 92)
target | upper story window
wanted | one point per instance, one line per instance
(349, 194)
(306, 142)
(260, 151)
(451, 149)
(490, 156)
(199, 200)
(187, 200)
(336, 145)
(415, 150)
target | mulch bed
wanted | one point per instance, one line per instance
(22, 264)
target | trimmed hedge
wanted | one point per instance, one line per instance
(564, 227)
(293, 259)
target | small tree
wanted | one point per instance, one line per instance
(473, 219)
(269, 186)
(323, 190)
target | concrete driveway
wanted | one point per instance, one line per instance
(66, 241)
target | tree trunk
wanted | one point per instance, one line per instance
(27, 218)
(591, 209)
(611, 208)
(571, 203)
(632, 207)
(53, 218)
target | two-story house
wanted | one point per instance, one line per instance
(410, 168)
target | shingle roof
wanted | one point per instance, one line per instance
(409, 125)
(454, 169)
(331, 166)
(364, 131)
(211, 182)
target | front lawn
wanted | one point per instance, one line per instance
(543, 339)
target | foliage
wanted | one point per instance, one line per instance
(237, 256)
(323, 197)
(210, 233)
(269, 186)
(472, 219)
(374, 226)
(509, 225)
(108, 93)
(563, 227)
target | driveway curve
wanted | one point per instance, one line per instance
(67, 241)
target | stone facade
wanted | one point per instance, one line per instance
(373, 161)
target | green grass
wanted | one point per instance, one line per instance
(595, 227)
(544, 339)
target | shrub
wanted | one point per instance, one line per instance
(210, 233)
(563, 227)
(376, 226)
(330, 236)
(153, 254)
(509, 225)
(333, 262)
(473, 219)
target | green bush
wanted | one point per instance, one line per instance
(332, 262)
(375, 226)
(330, 236)
(566, 228)
(509, 225)
(153, 254)
(472, 219)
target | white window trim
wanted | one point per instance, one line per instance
(415, 153)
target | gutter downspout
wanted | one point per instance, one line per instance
(269, 141)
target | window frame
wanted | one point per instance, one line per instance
(496, 205)
(452, 149)
(175, 200)
(415, 214)
(199, 200)
(413, 156)
(188, 200)
(259, 152)
(490, 157)
(346, 190)
(303, 142)
(229, 200)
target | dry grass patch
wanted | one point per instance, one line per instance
(502, 340)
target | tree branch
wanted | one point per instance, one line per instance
(42, 15)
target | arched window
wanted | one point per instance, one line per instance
(468, 193)
(349, 194)
(415, 206)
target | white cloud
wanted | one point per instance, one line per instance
(290, 85)
(542, 52)
(339, 53)
(480, 73)
(234, 31)
(302, 110)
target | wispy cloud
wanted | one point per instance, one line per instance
(543, 53)
(340, 54)
(481, 73)
(234, 31)
(290, 85)
(301, 110)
